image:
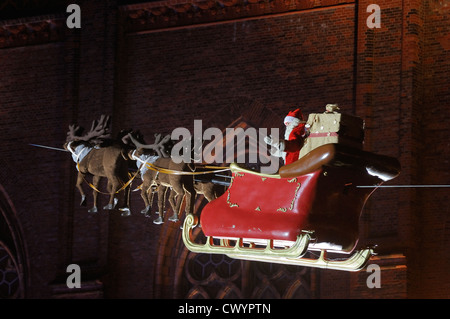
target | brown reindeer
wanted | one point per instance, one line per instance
(97, 154)
(207, 189)
(182, 186)
(156, 182)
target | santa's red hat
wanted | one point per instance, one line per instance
(294, 116)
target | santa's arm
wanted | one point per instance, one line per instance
(285, 145)
(277, 145)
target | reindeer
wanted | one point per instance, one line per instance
(97, 154)
(182, 186)
(153, 185)
(207, 188)
(150, 155)
(154, 182)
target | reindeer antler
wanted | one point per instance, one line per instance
(158, 146)
(99, 131)
(74, 133)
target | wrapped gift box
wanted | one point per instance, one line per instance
(326, 128)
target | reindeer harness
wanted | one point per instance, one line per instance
(142, 161)
(79, 153)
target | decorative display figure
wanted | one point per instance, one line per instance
(168, 176)
(312, 204)
(96, 153)
(289, 147)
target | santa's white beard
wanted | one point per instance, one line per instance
(288, 131)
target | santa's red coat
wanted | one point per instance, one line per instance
(293, 145)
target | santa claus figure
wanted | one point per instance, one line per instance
(295, 133)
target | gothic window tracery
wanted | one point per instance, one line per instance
(12, 256)
(10, 281)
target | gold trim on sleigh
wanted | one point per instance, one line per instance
(354, 263)
(298, 249)
(292, 255)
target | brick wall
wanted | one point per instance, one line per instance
(192, 73)
(432, 253)
(33, 177)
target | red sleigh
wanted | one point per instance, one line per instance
(312, 205)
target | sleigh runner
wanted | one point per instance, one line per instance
(311, 206)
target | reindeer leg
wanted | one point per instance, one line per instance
(95, 182)
(178, 189)
(190, 193)
(118, 182)
(116, 200)
(109, 188)
(190, 197)
(162, 203)
(151, 194)
(112, 187)
(126, 210)
(172, 197)
(161, 199)
(175, 204)
(147, 195)
(80, 179)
